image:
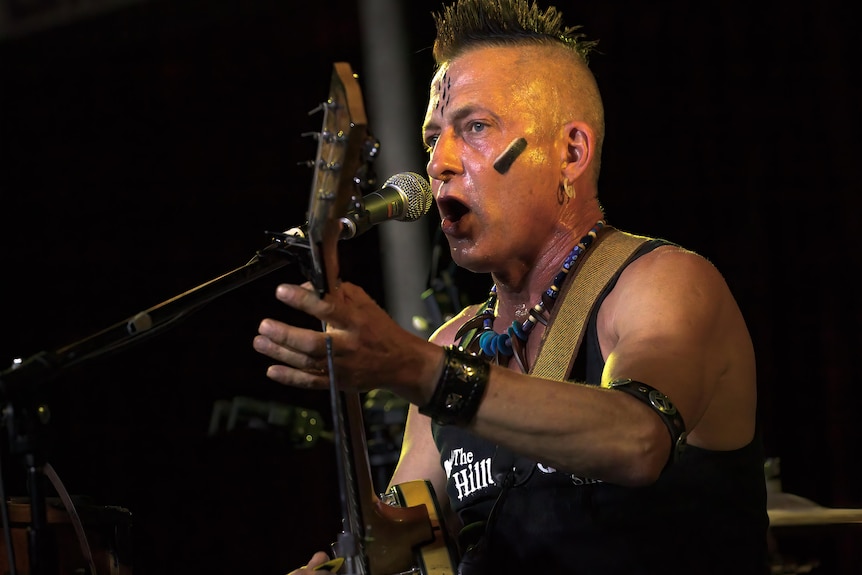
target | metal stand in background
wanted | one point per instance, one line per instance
(26, 420)
(26, 423)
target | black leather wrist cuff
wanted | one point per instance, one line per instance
(460, 389)
(659, 403)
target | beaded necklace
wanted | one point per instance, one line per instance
(500, 346)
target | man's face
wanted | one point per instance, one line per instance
(482, 104)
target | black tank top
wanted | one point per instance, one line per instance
(706, 514)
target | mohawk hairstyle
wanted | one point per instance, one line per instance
(467, 23)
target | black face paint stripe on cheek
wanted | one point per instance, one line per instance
(505, 160)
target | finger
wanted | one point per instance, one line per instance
(318, 559)
(287, 375)
(303, 299)
(297, 359)
(301, 340)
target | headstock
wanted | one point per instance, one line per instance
(338, 170)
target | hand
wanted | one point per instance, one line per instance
(319, 562)
(370, 350)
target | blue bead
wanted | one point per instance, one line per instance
(517, 331)
(486, 342)
(493, 343)
(503, 344)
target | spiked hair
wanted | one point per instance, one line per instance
(469, 23)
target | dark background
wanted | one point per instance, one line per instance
(148, 149)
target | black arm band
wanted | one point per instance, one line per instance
(659, 403)
(460, 389)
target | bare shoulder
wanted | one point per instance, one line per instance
(672, 267)
(669, 286)
(674, 256)
(672, 319)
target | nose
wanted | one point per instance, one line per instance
(444, 161)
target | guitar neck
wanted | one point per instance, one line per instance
(380, 539)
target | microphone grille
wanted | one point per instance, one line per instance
(417, 189)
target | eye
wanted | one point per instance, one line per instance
(430, 142)
(477, 126)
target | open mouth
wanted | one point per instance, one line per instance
(452, 210)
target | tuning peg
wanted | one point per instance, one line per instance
(321, 165)
(323, 106)
(327, 137)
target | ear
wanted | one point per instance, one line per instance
(577, 154)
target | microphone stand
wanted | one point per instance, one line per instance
(19, 385)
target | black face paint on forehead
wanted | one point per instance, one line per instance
(505, 160)
(448, 90)
(444, 86)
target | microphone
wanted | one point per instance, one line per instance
(406, 197)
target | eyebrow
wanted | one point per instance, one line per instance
(456, 117)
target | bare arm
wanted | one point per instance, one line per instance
(670, 322)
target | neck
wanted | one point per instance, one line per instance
(516, 341)
(519, 290)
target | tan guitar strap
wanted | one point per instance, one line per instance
(565, 332)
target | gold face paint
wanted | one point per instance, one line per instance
(504, 161)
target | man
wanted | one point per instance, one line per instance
(595, 475)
